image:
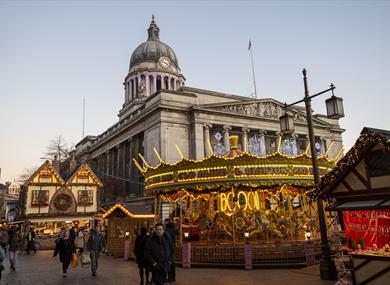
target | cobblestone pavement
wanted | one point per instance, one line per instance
(42, 268)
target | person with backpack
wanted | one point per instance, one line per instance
(139, 249)
(95, 245)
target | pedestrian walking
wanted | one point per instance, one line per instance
(2, 256)
(172, 233)
(14, 246)
(95, 244)
(72, 234)
(65, 249)
(3, 239)
(80, 240)
(31, 241)
(159, 254)
(139, 249)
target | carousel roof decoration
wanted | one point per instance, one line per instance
(234, 168)
(368, 139)
(132, 211)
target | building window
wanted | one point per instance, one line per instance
(288, 146)
(40, 198)
(216, 141)
(85, 197)
(301, 143)
(256, 144)
(271, 141)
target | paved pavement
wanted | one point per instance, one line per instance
(42, 269)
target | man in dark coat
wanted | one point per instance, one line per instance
(139, 249)
(65, 248)
(159, 254)
(95, 244)
(171, 231)
(14, 244)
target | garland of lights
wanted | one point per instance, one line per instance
(352, 157)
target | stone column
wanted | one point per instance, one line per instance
(206, 135)
(294, 141)
(108, 156)
(174, 84)
(262, 137)
(197, 142)
(279, 137)
(155, 83)
(244, 139)
(322, 148)
(147, 83)
(226, 142)
(118, 158)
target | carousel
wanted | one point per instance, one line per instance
(238, 198)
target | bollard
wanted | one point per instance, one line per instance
(309, 253)
(248, 256)
(186, 261)
(126, 250)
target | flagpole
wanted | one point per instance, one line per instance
(253, 68)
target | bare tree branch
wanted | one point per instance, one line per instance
(26, 174)
(59, 147)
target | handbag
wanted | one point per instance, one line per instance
(74, 261)
(85, 259)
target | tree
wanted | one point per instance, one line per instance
(59, 147)
(26, 174)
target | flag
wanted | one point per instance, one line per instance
(250, 45)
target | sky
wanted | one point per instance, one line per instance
(55, 53)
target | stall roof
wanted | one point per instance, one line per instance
(360, 205)
(131, 210)
(368, 139)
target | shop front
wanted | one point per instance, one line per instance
(124, 222)
(358, 188)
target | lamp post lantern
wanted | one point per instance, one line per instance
(335, 111)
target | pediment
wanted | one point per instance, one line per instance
(263, 108)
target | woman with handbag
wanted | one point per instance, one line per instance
(65, 249)
(80, 240)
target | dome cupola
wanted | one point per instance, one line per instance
(153, 49)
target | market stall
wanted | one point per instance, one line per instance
(239, 197)
(124, 223)
(359, 189)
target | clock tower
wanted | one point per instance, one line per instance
(153, 66)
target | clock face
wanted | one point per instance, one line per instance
(164, 62)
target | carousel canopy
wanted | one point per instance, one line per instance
(235, 168)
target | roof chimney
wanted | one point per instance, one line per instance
(72, 162)
(56, 163)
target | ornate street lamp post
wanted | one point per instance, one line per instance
(335, 110)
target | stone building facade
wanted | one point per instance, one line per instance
(159, 112)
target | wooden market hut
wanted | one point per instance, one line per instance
(124, 222)
(358, 188)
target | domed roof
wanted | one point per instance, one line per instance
(153, 48)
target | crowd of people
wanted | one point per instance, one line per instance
(155, 253)
(66, 244)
